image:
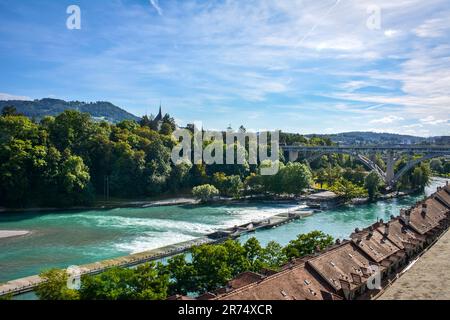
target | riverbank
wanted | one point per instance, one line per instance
(189, 200)
(27, 284)
(108, 205)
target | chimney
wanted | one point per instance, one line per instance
(405, 215)
(386, 230)
(356, 278)
(424, 209)
(365, 271)
(345, 285)
(326, 295)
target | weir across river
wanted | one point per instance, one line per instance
(28, 284)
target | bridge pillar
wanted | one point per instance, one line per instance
(293, 155)
(390, 168)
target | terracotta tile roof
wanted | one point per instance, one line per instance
(400, 234)
(244, 279)
(374, 244)
(296, 283)
(340, 262)
(427, 215)
(444, 193)
(206, 296)
(179, 297)
(422, 223)
(436, 210)
(348, 264)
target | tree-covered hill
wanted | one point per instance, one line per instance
(100, 110)
(372, 138)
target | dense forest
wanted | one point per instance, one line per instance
(72, 159)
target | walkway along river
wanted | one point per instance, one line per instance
(68, 238)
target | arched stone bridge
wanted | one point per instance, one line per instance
(390, 154)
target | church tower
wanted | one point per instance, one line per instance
(159, 117)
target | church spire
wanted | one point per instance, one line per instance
(159, 117)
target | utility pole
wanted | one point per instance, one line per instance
(106, 188)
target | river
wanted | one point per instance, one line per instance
(60, 239)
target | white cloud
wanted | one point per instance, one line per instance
(6, 96)
(155, 4)
(225, 55)
(430, 120)
(387, 119)
(432, 28)
(391, 33)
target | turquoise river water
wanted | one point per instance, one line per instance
(72, 238)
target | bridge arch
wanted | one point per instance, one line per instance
(411, 164)
(389, 177)
(358, 156)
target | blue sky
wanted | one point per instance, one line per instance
(301, 66)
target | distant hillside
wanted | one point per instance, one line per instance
(51, 107)
(369, 138)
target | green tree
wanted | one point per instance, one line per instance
(229, 186)
(72, 130)
(308, 243)
(295, 178)
(320, 177)
(273, 256)
(254, 254)
(205, 192)
(9, 111)
(143, 283)
(348, 190)
(212, 266)
(436, 166)
(421, 176)
(54, 286)
(446, 167)
(180, 175)
(332, 174)
(356, 176)
(183, 275)
(372, 183)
